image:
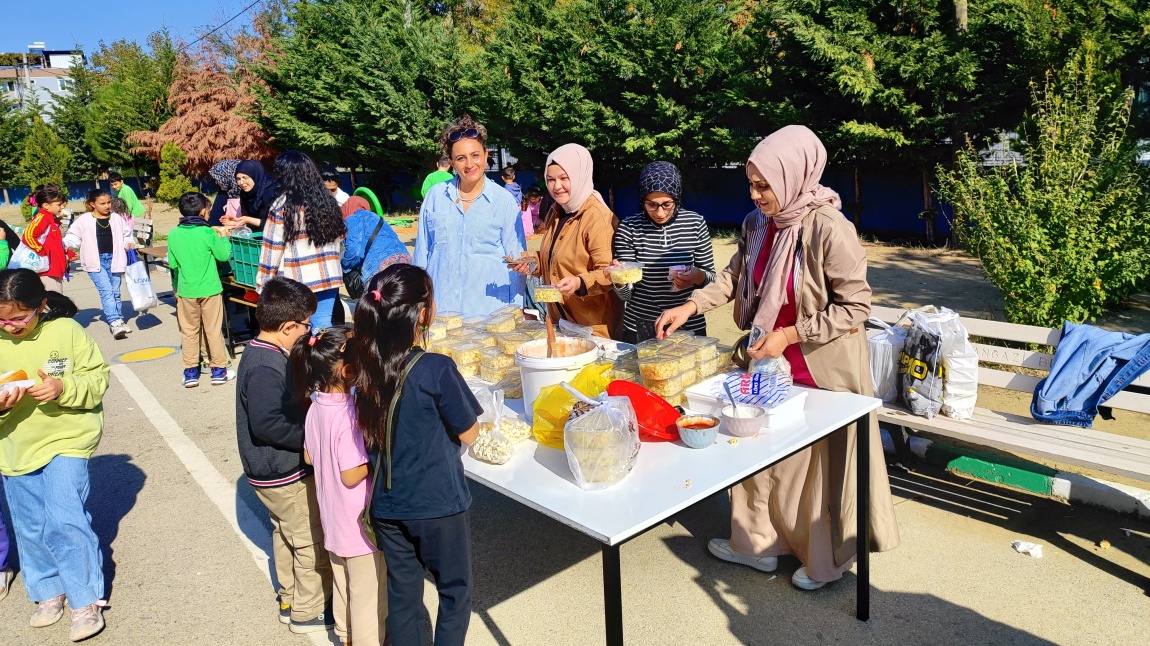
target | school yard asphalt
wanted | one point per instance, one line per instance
(186, 543)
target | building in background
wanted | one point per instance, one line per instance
(45, 82)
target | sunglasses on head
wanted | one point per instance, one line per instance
(456, 135)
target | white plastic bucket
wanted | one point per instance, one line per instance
(538, 372)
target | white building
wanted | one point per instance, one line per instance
(45, 82)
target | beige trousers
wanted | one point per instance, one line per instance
(202, 317)
(302, 566)
(359, 603)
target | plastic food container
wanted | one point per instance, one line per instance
(511, 385)
(444, 346)
(626, 273)
(747, 421)
(468, 369)
(698, 431)
(496, 359)
(493, 374)
(548, 294)
(437, 330)
(706, 347)
(678, 336)
(484, 339)
(466, 352)
(531, 327)
(508, 342)
(458, 332)
(451, 319)
(685, 356)
(509, 310)
(665, 387)
(500, 324)
(659, 367)
(475, 322)
(650, 347)
(676, 399)
(707, 367)
(702, 398)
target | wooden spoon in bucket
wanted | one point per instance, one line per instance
(550, 337)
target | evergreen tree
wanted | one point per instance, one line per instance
(14, 125)
(376, 96)
(173, 182)
(45, 159)
(70, 120)
(133, 97)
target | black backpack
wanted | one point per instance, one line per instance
(353, 278)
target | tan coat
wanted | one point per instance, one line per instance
(583, 249)
(780, 511)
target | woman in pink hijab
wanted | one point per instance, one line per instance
(800, 276)
(578, 233)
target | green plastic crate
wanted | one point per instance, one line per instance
(246, 259)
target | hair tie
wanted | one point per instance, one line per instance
(311, 341)
(377, 295)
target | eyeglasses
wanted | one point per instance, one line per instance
(20, 323)
(655, 207)
(456, 135)
(307, 326)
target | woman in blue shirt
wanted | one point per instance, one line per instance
(385, 250)
(466, 228)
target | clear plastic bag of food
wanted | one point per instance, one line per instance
(601, 439)
(494, 447)
(568, 328)
(767, 365)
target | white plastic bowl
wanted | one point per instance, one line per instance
(747, 423)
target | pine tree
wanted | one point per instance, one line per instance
(45, 159)
(14, 126)
(70, 120)
(173, 182)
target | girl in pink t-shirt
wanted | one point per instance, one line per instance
(333, 445)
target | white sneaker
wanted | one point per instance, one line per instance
(721, 548)
(119, 330)
(804, 582)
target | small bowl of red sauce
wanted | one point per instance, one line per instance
(698, 431)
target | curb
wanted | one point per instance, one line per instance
(1027, 476)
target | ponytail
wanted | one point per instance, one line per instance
(313, 361)
(23, 286)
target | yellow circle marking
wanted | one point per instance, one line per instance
(147, 354)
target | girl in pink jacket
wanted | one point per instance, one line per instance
(103, 239)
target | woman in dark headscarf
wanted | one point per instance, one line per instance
(674, 246)
(227, 202)
(257, 192)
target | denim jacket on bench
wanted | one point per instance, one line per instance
(1090, 366)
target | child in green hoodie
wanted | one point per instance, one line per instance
(48, 430)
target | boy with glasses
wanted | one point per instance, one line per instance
(270, 432)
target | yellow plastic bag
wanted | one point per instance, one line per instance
(554, 404)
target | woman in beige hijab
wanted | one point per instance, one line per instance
(800, 275)
(578, 233)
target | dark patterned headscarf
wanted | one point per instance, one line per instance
(224, 175)
(661, 177)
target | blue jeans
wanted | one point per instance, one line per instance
(59, 552)
(108, 284)
(3, 544)
(326, 301)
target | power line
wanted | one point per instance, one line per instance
(242, 12)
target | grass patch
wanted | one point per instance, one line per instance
(724, 233)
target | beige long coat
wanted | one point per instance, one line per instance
(805, 505)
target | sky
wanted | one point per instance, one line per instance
(87, 22)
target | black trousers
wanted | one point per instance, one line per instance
(442, 546)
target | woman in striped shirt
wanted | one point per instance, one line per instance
(661, 236)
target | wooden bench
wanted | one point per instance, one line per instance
(144, 231)
(1107, 452)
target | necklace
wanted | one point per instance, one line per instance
(107, 221)
(465, 200)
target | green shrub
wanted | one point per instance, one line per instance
(1067, 233)
(173, 182)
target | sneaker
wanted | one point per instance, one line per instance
(205, 369)
(325, 621)
(804, 582)
(7, 576)
(119, 330)
(722, 549)
(191, 377)
(87, 622)
(47, 612)
(221, 376)
(285, 611)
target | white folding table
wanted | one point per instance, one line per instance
(669, 477)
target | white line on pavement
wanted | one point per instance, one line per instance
(244, 522)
